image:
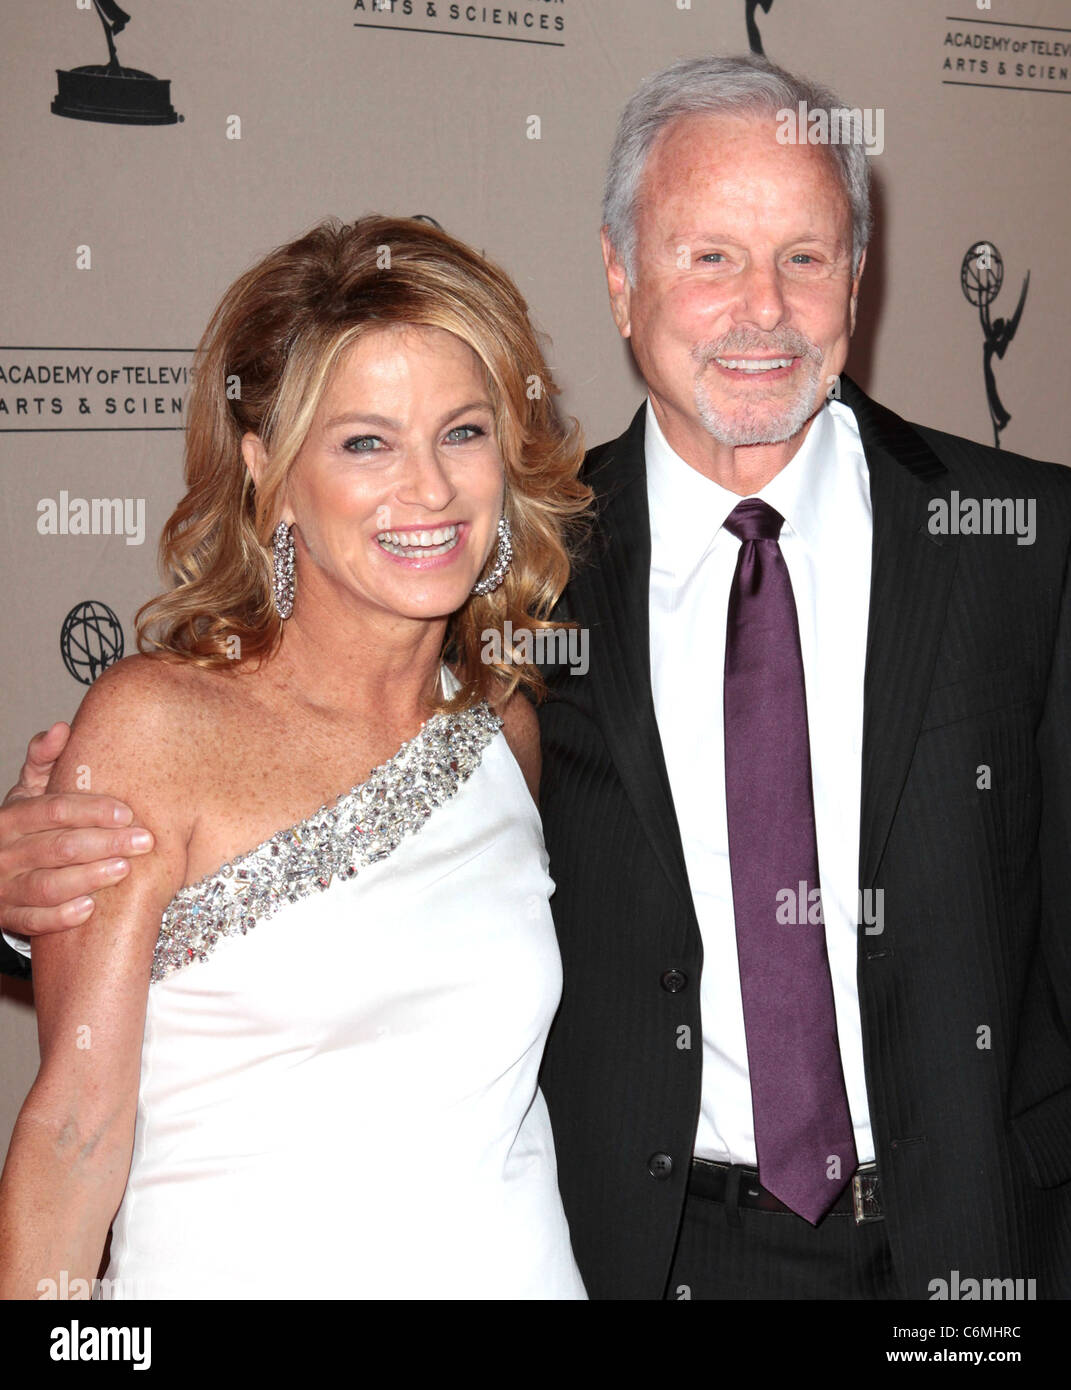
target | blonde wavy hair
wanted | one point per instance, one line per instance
(263, 366)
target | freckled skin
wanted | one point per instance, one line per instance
(743, 240)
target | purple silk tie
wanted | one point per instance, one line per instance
(803, 1128)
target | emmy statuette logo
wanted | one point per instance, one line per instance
(981, 276)
(754, 38)
(109, 92)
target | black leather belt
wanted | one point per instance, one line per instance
(861, 1198)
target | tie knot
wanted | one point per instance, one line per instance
(754, 520)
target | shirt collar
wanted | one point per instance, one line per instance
(688, 510)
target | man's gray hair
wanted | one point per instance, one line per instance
(750, 85)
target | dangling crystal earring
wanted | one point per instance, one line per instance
(282, 547)
(503, 560)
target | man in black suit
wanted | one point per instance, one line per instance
(852, 687)
(939, 703)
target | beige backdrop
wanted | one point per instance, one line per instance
(346, 108)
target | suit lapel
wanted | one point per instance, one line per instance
(612, 598)
(910, 582)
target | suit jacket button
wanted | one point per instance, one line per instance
(673, 981)
(660, 1165)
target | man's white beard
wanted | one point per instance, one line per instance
(761, 422)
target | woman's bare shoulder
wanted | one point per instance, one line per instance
(137, 683)
(136, 730)
(161, 695)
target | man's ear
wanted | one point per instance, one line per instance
(618, 284)
(855, 290)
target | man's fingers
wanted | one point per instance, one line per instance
(56, 849)
(40, 921)
(41, 754)
(44, 869)
(30, 814)
(56, 887)
(55, 899)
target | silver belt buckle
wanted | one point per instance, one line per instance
(866, 1200)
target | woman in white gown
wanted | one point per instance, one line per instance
(295, 1053)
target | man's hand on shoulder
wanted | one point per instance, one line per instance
(59, 848)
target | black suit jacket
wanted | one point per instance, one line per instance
(965, 996)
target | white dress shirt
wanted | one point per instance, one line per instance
(824, 496)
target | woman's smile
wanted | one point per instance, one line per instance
(424, 547)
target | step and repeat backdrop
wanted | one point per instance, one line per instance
(130, 203)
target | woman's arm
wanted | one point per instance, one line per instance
(56, 849)
(70, 1151)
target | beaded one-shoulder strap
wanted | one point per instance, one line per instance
(363, 826)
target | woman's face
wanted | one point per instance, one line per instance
(396, 494)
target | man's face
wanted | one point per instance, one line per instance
(744, 301)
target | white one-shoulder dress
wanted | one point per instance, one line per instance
(338, 1094)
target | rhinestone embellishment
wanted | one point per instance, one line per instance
(282, 545)
(363, 826)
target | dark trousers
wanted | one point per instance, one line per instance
(732, 1252)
